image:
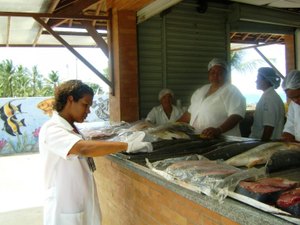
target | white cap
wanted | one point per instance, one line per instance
(270, 75)
(165, 91)
(217, 61)
(292, 80)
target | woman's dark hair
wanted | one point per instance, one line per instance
(75, 88)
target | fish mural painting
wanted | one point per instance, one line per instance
(12, 125)
(8, 110)
(46, 106)
(8, 114)
(22, 118)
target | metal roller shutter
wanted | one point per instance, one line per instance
(175, 48)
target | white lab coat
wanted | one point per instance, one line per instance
(269, 112)
(158, 116)
(213, 110)
(292, 124)
(70, 191)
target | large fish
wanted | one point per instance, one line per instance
(260, 154)
(283, 160)
(12, 125)
(230, 150)
(8, 110)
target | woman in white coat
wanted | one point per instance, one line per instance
(166, 112)
(70, 191)
(218, 107)
(291, 86)
(269, 114)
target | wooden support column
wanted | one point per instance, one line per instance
(124, 100)
(289, 52)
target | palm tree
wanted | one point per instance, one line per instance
(51, 83)
(240, 64)
(7, 71)
(54, 79)
(36, 81)
(21, 82)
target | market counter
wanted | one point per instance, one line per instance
(131, 194)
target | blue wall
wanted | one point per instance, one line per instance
(22, 118)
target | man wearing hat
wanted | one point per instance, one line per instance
(166, 112)
(269, 113)
(217, 107)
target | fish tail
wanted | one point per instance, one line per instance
(22, 122)
(255, 162)
(19, 108)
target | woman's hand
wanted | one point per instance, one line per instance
(211, 132)
(288, 137)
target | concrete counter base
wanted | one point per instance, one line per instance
(131, 194)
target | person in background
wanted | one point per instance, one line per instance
(218, 107)
(269, 114)
(70, 191)
(166, 112)
(291, 86)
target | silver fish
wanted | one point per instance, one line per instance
(260, 154)
(171, 131)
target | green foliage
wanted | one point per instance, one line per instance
(240, 63)
(18, 81)
(96, 88)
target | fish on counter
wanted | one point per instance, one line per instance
(197, 169)
(289, 201)
(228, 151)
(266, 190)
(261, 154)
(283, 160)
(140, 125)
(172, 131)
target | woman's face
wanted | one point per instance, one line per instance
(81, 108)
(261, 83)
(294, 95)
(216, 75)
(166, 100)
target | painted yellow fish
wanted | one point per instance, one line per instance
(47, 106)
(8, 110)
(12, 125)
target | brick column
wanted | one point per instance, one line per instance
(289, 52)
(124, 101)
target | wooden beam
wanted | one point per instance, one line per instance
(54, 16)
(75, 7)
(8, 31)
(268, 61)
(97, 38)
(71, 49)
(50, 10)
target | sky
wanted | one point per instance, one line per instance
(59, 59)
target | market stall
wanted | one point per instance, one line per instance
(168, 186)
